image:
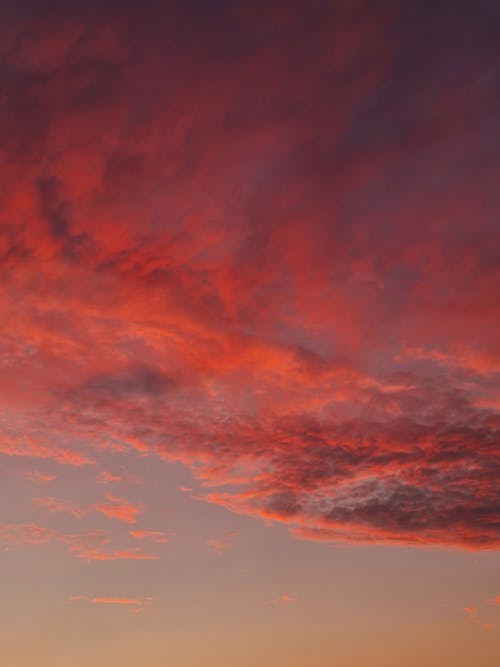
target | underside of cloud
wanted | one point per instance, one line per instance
(266, 247)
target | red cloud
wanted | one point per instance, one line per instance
(285, 277)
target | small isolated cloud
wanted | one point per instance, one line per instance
(283, 600)
(157, 536)
(118, 508)
(220, 544)
(129, 602)
(106, 477)
(133, 604)
(474, 617)
(117, 554)
(38, 477)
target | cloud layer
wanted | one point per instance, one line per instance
(260, 239)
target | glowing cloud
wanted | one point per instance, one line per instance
(279, 268)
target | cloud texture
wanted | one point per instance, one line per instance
(261, 239)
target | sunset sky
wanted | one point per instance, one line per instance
(249, 339)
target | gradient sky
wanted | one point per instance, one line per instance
(249, 340)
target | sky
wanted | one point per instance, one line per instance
(249, 350)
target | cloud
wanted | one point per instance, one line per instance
(136, 602)
(115, 508)
(157, 536)
(283, 600)
(474, 617)
(471, 612)
(220, 544)
(88, 546)
(133, 604)
(118, 508)
(14, 534)
(58, 505)
(38, 477)
(277, 266)
(117, 554)
(106, 477)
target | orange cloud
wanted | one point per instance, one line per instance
(135, 602)
(117, 554)
(156, 536)
(58, 505)
(89, 546)
(283, 600)
(118, 508)
(14, 534)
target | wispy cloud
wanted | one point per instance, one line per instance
(283, 600)
(38, 477)
(131, 603)
(88, 546)
(157, 536)
(114, 508)
(106, 477)
(223, 542)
